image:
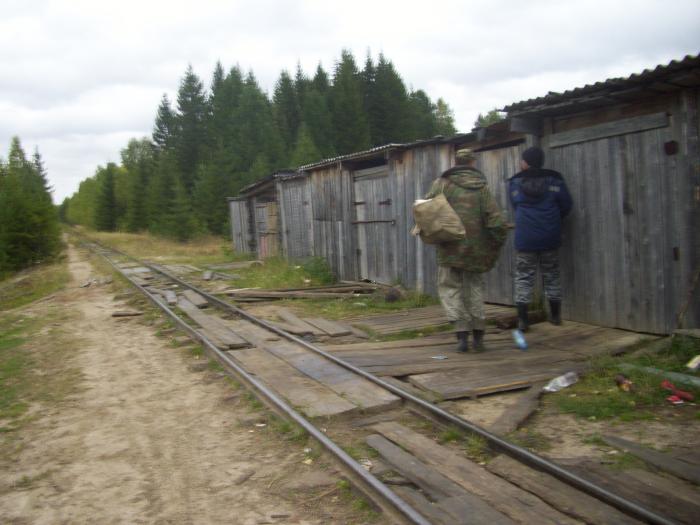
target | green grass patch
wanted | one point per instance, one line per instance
(597, 396)
(30, 285)
(369, 304)
(450, 435)
(276, 272)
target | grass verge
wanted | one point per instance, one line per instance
(597, 395)
(30, 285)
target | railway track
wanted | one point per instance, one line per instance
(237, 340)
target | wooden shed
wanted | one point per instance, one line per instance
(628, 149)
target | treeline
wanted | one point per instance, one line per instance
(213, 143)
(29, 228)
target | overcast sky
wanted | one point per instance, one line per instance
(79, 78)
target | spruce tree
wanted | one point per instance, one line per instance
(347, 107)
(106, 204)
(305, 151)
(164, 128)
(285, 109)
(138, 160)
(390, 119)
(424, 124)
(444, 118)
(191, 136)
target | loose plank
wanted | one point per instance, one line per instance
(214, 328)
(195, 299)
(558, 494)
(312, 398)
(512, 501)
(435, 485)
(302, 326)
(659, 460)
(513, 416)
(329, 327)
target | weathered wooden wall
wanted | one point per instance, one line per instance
(240, 227)
(628, 254)
(296, 220)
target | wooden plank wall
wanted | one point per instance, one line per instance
(627, 252)
(296, 223)
(498, 165)
(331, 196)
(240, 229)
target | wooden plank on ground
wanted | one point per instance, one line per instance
(207, 275)
(408, 387)
(519, 505)
(358, 390)
(663, 495)
(435, 513)
(558, 494)
(662, 461)
(435, 485)
(331, 328)
(311, 397)
(212, 327)
(292, 319)
(195, 298)
(482, 380)
(513, 416)
(170, 297)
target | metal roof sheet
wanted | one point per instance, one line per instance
(613, 85)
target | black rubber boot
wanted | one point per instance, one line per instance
(478, 340)
(463, 338)
(555, 312)
(523, 323)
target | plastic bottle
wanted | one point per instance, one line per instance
(561, 382)
(519, 339)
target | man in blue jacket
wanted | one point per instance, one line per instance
(541, 200)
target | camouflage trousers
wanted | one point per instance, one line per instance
(462, 296)
(526, 264)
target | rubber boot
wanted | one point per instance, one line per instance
(555, 312)
(523, 323)
(478, 340)
(463, 345)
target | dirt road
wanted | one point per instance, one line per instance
(145, 439)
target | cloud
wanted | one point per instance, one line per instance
(81, 77)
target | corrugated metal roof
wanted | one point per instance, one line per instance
(613, 85)
(438, 139)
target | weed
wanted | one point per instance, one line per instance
(253, 402)
(215, 366)
(289, 430)
(476, 448)
(449, 435)
(597, 396)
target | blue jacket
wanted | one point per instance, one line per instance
(541, 200)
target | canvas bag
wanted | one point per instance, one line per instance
(436, 221)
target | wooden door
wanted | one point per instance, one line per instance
(375, 224)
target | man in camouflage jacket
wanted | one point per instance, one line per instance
(461, 264)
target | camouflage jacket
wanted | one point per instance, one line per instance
(467, 192)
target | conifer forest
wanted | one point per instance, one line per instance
(210, 143)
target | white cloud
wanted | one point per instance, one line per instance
(81, 77)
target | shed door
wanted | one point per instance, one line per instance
(618, 260)
(239, 226)
(296, 208)
(266, 226)
(375, 224)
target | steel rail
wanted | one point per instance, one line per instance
(519, 453)
(629, 507)
(389, 501)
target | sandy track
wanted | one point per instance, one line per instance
(145, 440)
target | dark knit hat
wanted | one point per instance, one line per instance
(534, 157)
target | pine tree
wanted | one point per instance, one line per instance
(106, 204)
(423, 120)
(191, 126)
(285, 109)
(305, 151)
(164, 128)
(390, 119)
(444, 117)
(347, 107)
(29, 230)
(137, 159)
